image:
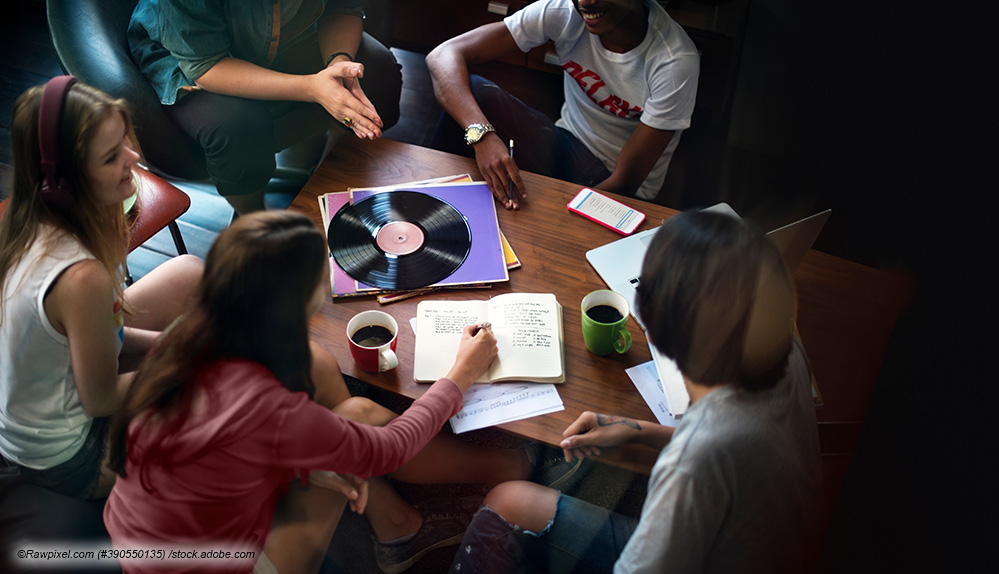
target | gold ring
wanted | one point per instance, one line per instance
(347, 121)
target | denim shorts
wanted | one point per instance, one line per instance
(582, 537)
(77, 477)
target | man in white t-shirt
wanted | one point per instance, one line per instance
(630, 81)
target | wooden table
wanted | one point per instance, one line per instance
(845, 316)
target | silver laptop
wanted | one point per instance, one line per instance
(619, 264)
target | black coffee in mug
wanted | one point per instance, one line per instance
(373, 336)
(604, 314)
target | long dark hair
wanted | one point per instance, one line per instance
(716, 298)
(258, 280)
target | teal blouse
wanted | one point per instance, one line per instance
(174, 42)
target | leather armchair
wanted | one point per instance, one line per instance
(90, 39)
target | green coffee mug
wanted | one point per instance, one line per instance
(605, 319)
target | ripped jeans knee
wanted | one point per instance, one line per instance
(491, 544)
(581, 537)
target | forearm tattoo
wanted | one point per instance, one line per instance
(607, 420)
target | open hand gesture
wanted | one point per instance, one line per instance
(339, 92)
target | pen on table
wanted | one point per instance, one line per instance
(481, 326)
(509, 189)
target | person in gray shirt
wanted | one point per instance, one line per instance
(737, 485)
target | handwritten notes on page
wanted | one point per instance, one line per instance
(528, 330)
(489, 405)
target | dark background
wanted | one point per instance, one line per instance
(882, 111)
(879, 111)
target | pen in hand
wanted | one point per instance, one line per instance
(481, 326)
(509, 189)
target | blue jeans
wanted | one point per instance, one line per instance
(539, 145)
(77, 477)
(582, 537)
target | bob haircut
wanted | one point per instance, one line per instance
(717, 299)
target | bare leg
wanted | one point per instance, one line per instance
(388, 513)
(303, 527)
(331, 390)
(526, 504)
(155, 301)
(306, 520)
(164, 294)
(446, 459)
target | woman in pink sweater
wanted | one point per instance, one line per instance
(220, 419)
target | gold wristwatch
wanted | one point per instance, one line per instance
(474, 132)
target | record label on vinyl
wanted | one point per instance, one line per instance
(399, 240)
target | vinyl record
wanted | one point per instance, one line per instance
(399, 240)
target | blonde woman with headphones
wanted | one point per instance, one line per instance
(68, 326)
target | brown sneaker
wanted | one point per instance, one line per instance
(444, 524)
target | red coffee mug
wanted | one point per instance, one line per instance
(373, 336)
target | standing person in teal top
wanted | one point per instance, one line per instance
(224, 69)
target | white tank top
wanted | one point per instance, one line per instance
(42, 421)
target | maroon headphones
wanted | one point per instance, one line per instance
(56, 191)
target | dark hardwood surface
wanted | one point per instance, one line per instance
(846, 310)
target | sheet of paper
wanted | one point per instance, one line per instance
(489, 405)
(646, 379)
(671, 382)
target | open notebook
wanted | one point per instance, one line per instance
(528, 330)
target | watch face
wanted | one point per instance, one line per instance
(474, 132)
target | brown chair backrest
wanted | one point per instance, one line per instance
(160, 203)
